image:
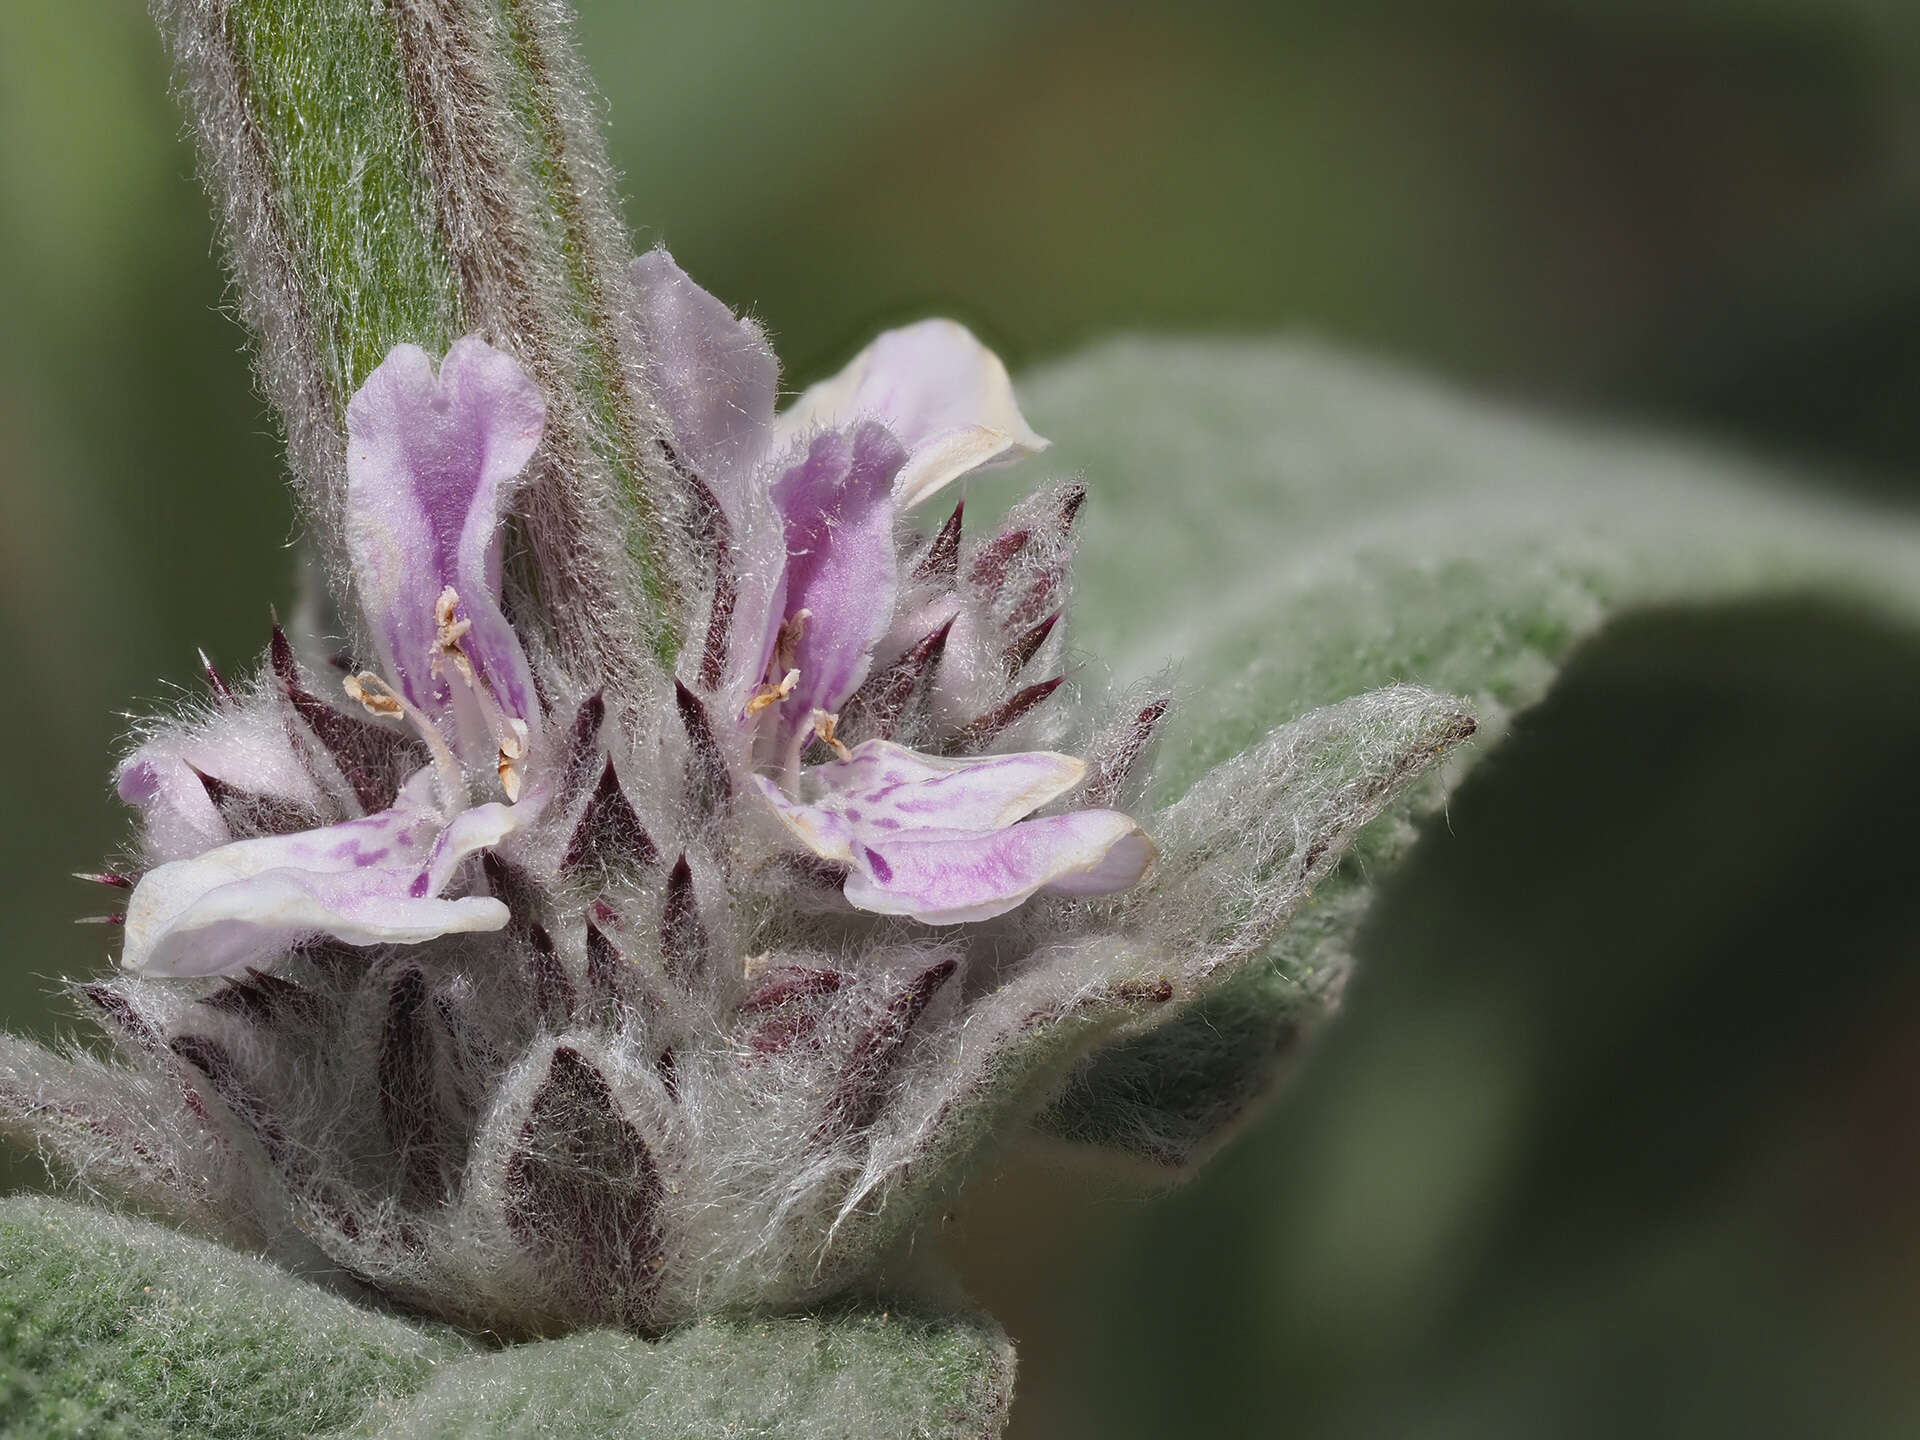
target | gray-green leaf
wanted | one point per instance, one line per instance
(113, 1327)
(1291, 526)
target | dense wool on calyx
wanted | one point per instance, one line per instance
(449, 978)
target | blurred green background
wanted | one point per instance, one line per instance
(1618, 1135)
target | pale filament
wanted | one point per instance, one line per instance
(380, 699)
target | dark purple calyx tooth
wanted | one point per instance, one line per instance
(791, 982)
(264, 999)
(683, 937)
(473, 1058)
(373, 758)
(119, 1012)
(610, 834)
(876, 709)
(331, 958)
(1028, 645)
(216, 682)
(941, 559)
(249, 814)
(862, 1088)
(781, 1033)
(583, 749)
(988, 572)
(611, 980)
(726, 596)
(113, 878)
(553, 995)
(583, 1189)
(1072, 496)
(1113, 771)
(668, 1068)
(709, 786)
(981, 732)
(223, 1076)
(815, 871)
(416, 1130)
(710, 526)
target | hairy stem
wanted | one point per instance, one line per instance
(416, 170)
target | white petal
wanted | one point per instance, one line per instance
(948, 878)
(945, 395)
(363, 881)
(884, 782)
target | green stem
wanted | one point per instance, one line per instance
(414, 171)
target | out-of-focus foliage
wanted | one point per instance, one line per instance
(1615, 1134)
(1633, 1146)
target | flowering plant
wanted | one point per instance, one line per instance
(677, 847)
(530, 1013)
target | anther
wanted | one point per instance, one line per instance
(825, 723)
(374, 695)
(768, 695)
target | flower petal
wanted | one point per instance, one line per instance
(714, 371)
(888, 789)
(481, 828)
(827, 833)
(359, 881)
(430, 465)
(944, 394)
(246, 747)
(842, 567)
(949, 878)
(248, 921)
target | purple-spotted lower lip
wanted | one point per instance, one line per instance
(945, 840)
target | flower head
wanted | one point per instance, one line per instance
(462, 970)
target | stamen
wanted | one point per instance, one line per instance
(786, 643)
(374, 695)
(452, 628)
(380, 698)
(773, 694)
(509, 733)
(513, 749)
(824, 725)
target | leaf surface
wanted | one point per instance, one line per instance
(1289, 526)
(115, 1327)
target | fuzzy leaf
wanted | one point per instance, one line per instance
(852, 1375)
(115, 1327)
(111, 1326)
(1292, 526)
